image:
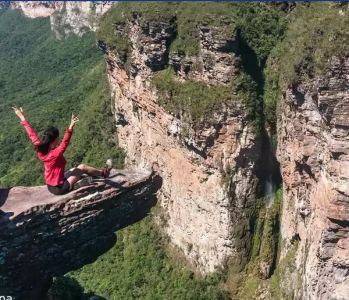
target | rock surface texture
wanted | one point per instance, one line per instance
(313, 150)
(208, 168)
(66, 17)
(43, 235)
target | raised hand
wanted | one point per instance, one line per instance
(19, 112)
(74, 120)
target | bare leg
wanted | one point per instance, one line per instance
(76, 174)
(90, 170)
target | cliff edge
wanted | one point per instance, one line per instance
(44, 235)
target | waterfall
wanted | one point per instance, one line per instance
(269, 191)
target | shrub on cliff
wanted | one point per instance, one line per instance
(65, 288)
(261, 25)
(315, 33)
(257, 27)
(197, 101)
(193, 97)
(50, 79)
(184, 16)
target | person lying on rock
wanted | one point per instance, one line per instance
(52, 155)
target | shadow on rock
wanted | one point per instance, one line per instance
(66, 287)
(4, 216)
(50, 238)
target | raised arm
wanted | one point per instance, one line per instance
(28, 128)
(64, 143)
(66, 138)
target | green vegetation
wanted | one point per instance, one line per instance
(66, 288)
(266, 237)
(258, 27)
(190, 15)
(51, 79)
(112, 26)
(197, 100)
(261, 25)
(138, 267)
(315, 33)
(193, 96)
(185, 17)
(285, 276)
(265, 249)
(300, 39)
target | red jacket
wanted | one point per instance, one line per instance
(54, 160)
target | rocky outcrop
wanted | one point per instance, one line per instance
(209, 165)
(208, 168)
(37, 9)
(66, 17)
(215, 64)
(44, 235)
(313, 149)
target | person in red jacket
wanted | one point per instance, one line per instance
(52, 155)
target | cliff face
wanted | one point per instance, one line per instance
(65, 17)
(44, 235)
(208, 167)
(36, 9)
(209, 162)
(313, 140)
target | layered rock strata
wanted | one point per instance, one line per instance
(208, 167)
(66, 17)
(44, 235)
(313, 149)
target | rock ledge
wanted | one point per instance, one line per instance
(43, 235)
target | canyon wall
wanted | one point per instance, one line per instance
(313, 150)
(66, 17)
(208, 167)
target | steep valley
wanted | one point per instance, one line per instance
(241, 108)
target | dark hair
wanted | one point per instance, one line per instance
(49, 136)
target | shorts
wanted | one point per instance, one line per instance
(60, 189)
